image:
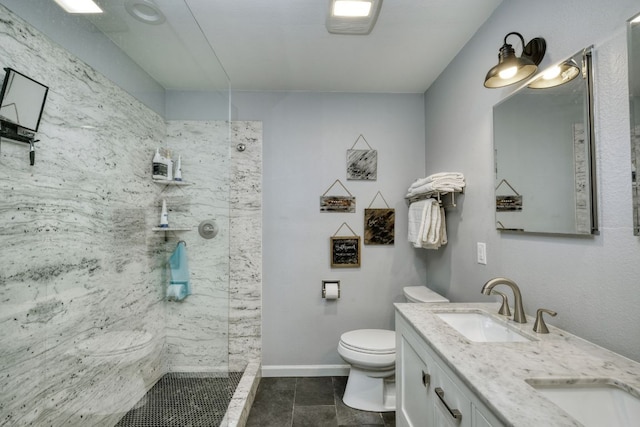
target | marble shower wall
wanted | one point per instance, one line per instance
(245, 252)
(219, 323)
(80, 265)
(81, 269)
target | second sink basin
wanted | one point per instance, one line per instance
(481, 327)
(594, 403)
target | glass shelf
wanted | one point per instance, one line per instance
(171, 229)
(168, 182)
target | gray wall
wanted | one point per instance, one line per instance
(591, 282)
(306, 136)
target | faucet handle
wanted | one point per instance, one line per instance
(539, 326)
(504, 308)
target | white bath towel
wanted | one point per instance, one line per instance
(429, 232)
(417, 212)
(444, 182)
(456, 176)
(442, 186)
(443, 228)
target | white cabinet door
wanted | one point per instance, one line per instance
(452, 408)
(413, 378)
(420, 376)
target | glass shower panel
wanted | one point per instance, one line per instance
(85, 324)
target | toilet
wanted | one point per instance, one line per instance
(372, 355)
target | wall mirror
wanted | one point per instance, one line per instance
(633, 37)
(544, 152)
(22, 100)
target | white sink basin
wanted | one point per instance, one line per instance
(481, 327)
(595, 404)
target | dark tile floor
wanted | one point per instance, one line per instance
(309, 402)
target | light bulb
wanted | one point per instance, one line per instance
(552, 73)
(507, 73)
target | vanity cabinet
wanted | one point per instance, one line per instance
(429, 394)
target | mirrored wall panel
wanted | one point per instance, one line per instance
(543, 147)
(634, 104)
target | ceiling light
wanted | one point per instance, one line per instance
(145, 11)
(352, 16)
(351, 8)
(79, 6)
(556, 76)
(511, 68)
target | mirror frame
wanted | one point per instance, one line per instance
(587, 72)
(38, 104)
(634, 137)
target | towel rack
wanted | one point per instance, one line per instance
(438, 196)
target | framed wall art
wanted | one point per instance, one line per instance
(379, 224)
(345, 250)
(362, 164)
(337, 204)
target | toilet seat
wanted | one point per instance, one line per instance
(370, 341)
(372, 349)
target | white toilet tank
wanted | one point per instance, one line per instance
(422, 294)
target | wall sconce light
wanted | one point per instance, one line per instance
(556, 75)
(511, 68)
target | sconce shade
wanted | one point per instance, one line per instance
(556, 76)
(511, 68)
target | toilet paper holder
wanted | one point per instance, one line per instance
(330, 282)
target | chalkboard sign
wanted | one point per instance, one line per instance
(345, 252)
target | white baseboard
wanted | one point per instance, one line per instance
(305, 370)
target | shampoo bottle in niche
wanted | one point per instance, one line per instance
(159, 166)
(164, 216)
(178, 175)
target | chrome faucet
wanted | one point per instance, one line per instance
(518, 315)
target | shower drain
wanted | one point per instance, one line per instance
(184, 399)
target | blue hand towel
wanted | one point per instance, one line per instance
(179, 285)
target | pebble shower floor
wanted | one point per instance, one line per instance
(184, 399)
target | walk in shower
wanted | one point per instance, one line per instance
(87, 335)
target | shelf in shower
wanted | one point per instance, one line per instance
(168, 182)
(171, 229)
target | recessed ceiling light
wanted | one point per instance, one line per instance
(351, 8)
(352, 16)
(79, 6)
(145, 11)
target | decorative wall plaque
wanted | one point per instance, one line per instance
(362, 164)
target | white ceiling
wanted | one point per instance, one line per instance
(283, 45)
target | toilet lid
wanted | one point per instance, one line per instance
(423, 294)
(379, 341)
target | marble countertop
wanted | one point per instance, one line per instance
(496, 372)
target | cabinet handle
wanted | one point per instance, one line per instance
(454, 412)
(426, 379)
